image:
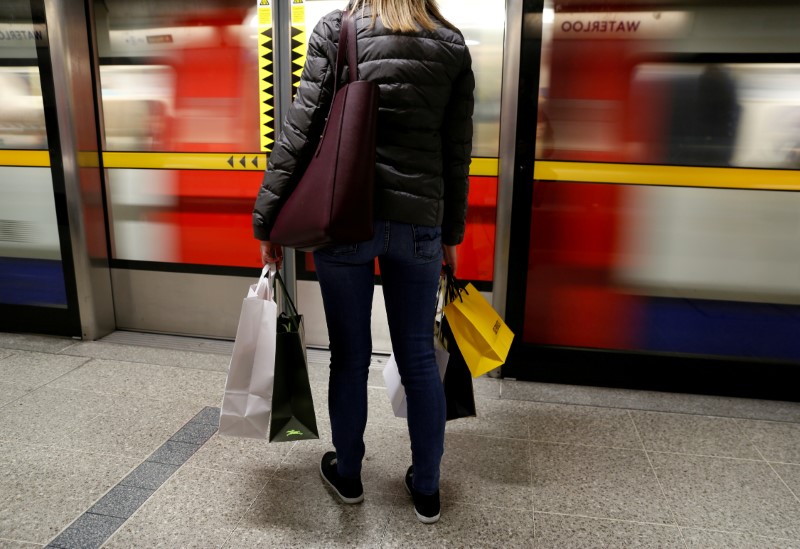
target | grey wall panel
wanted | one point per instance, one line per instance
(178, 303)
(150, 301)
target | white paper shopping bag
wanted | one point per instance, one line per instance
(394, 386)
(397, 393)
(247, 403)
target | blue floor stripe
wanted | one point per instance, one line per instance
(95, 526)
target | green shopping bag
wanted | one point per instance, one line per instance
(293, 415)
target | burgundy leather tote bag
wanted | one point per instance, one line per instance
(333, 201)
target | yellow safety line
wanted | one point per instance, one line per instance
(676, 176)
(89, 159)
(186, 161)
(488, 167)
(582, 172)
(222, 161)
(39, 159)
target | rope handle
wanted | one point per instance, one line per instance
(453, 286)
(295, 315)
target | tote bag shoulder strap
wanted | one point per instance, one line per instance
(349, 23)
(347, 49)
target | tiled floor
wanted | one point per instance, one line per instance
(113, 442)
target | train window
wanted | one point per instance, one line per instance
(697, 85)
(716, 114)
(178, 80)
(189, 81)
(483, 23)
(22, 111)
(768, 133)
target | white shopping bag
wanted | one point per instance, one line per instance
(247, 403)
(397, 393)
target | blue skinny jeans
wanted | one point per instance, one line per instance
(410, 258)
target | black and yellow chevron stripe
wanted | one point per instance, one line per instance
(265, 76)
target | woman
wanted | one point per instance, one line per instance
(424, 142)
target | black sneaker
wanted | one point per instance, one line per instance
(426, 507)
(350, 491)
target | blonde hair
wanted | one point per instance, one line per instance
(404, 15)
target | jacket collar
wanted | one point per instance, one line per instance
(367, 10)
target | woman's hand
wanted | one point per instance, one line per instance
(271, 253)
(450, 254)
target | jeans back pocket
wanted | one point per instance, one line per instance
(427, 242)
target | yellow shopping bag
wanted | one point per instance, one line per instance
(482, 337)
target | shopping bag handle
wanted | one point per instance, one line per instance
(293, 310)
(453, 286)
(266, 281)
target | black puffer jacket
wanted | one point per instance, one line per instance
(424, 139)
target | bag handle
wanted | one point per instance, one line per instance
(449, 290)
(266, 282)
(295, 316)
(453, 286)
(347, 47)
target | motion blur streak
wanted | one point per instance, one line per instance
(669, 268)
(189, 83)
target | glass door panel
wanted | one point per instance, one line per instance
(180, 91)
(663, 187)
(32, 285)
(184, 151)
(187, 102)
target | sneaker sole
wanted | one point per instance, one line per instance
(426, 520)
(422, 518)
(347, 500)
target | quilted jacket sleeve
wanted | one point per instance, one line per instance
(301, 129)
(456, 153)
